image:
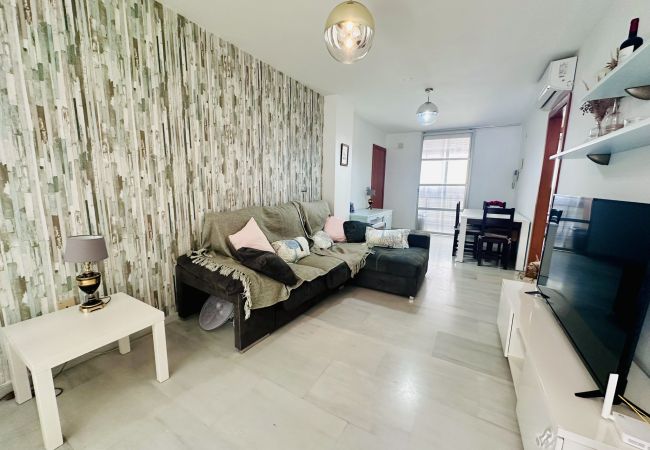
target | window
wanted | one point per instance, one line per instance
(443, 181)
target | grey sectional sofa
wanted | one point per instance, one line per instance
(398, 271)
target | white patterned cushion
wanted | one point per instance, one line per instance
(387, 238)
(322, 240)
(291, 250)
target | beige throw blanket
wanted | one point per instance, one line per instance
(354, 255)
(260, 291)
(314, 215)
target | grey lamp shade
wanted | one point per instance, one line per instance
(85, 248)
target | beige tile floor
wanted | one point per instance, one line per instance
(362, 370)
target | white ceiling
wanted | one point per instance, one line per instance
(482, 57)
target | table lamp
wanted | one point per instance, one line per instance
(87, 249)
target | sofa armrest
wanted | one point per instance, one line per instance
(421, 240)
(194, 284)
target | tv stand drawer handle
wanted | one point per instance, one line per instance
(546, 439)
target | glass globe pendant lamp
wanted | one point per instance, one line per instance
(427, 112)
(349, 31)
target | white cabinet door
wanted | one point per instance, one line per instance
(538, 432)
(505, 318)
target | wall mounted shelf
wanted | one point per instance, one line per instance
(631, 73)
(599, 149)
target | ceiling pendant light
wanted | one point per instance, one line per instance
(349, 31)
(428, 112)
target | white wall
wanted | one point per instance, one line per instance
(627, 177)
(338, 128)
(495, 155)
(532, 153)
(365, 135)
(403, 152)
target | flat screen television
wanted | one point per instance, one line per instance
(595, 275)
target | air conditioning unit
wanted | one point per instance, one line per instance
(558, 77)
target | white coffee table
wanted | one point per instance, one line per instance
(44, 342)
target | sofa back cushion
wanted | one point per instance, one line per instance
(276, 222)
(314, 214)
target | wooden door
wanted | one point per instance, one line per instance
(378, 175)
(555, 133)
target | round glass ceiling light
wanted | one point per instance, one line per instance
(428, 112)
(349, 31)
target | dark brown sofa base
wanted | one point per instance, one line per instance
(194, 284)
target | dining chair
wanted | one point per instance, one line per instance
(496, 229)
(471, 230)
(494, 203)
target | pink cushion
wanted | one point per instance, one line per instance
(334, 228)
(251, 236)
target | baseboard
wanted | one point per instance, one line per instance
(5, 389)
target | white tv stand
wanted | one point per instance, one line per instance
(547, 372)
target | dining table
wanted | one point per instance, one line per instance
(476, 216)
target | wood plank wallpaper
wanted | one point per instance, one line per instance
(121, 117)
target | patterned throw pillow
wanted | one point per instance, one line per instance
(291, 250)
(322, 240)
(387, 238)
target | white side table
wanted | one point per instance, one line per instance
(44, 342)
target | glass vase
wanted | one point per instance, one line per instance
(596, 131)
(613, 120)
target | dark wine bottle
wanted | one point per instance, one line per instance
(632, 42)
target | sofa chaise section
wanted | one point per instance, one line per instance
(398, 271)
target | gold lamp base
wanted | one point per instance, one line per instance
(89, 282)
(91, 305)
